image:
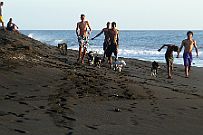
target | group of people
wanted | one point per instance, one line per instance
(111, 40)
(111, 43)
(10, 25)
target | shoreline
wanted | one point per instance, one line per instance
(43, 92)
(133, 51)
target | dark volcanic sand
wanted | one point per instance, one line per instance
(45, 93)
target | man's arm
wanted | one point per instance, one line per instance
(77, 28)
(181, 47)
(88, 24)
(196, 48)
(118, 37)
(15, 25)
(98, 34)
(165, 45)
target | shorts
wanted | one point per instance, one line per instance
(1, 19)
(10, 28)
(187, 57)
(105, 45)
(83, 41)
(169, 60)
(112, 48)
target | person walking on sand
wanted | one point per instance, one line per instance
(169, 57)
(106, 38)
(188, 45)
(1, 15)
(82, 35)
(114, 43)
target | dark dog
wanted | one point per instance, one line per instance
(63, 48)
(154, 69)
(90, 57)
(97, 61)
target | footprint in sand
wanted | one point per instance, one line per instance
(69, 118)
(42, 107)
(4, 87)
(194, 108)
(134, 121)
(19, 121)
(20, 115)
(20, 131)
(70, 133)
(3, 113)
(23, 103)
(30, 96)
(91, 127)
(14, 93)
(8, 97)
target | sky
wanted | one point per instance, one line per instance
(129, 14)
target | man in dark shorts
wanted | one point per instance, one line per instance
(11, 26)
(82, 34)
(188, 44)
(106, 39)
(114, 43)
(169, 57)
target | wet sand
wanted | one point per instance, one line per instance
(43, 92)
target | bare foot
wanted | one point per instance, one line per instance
(170, 77)
(186, 76)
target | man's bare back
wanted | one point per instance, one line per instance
(106, 33)
(113, 34)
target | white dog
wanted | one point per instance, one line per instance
(119, 65)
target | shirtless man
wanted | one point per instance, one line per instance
(188, 44)
(114, 43)
(106, 39)
(82, 34)
(1, 16)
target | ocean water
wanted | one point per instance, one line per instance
(141, 45)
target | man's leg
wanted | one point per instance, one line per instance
(2, 22)
(190, 64)
(79, 55)
(186, 71)
(104, 48)
(110, 60)
(83, 54)
(3, 25)
(116, 54)
(189, 69)
(169, 71)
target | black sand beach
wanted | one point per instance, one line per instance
(45, 93)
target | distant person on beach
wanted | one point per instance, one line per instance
(169, 57)
(11, 26)
(1, 15)
(114, 43)
(106, 39)
(188, 45)
(82, 35)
